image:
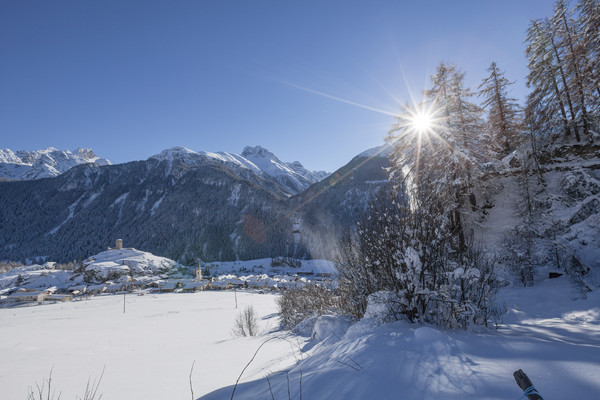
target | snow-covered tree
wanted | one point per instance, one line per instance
(568, 45)
(417, 246)
(503, 123)
(588, 27)
(563, 69)
(547, 79)
(438, 163)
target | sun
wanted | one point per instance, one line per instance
(421, 121)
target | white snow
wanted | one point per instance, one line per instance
(127, 260)
(292, 176)
(71, 213)
(550, 331)
(147, 353)
(156, 205)
(47, 163)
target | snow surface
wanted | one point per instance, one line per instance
(550, 331)
(293, 176)
(47, 163)
(147, 352)
(127, 261)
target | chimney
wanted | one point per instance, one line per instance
(119, 244)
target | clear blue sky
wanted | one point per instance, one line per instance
(131, 78)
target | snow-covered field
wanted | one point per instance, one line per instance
(147, 352)
(550, 331)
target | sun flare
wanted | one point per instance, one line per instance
(422, 121)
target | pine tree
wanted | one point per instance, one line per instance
(503, 122)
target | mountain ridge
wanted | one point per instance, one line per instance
(46, 163)
(179, 203)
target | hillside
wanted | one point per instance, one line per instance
(184, 205)
(544, 212)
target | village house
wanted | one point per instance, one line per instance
(220, 285)
(195, 286)
(60, 297)
(77, 290)
(96, 289)
(169, 286)
(28, 296)
(115, 287)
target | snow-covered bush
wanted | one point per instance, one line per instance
(410, 257)
(296, 305)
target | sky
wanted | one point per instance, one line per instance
(313, 81)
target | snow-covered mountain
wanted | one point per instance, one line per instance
(184, 204)
(47, 163)
(292, 175)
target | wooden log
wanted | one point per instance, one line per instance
(525, 383)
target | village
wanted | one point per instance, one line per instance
(120, 270)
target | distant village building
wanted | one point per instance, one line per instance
(195, 286)
(169, 286)
(119, 244)
(77, 290)
(60, 297)
(28, 296)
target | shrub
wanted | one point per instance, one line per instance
(296, 305)
(246, 323)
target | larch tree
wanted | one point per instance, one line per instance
(568, 46)
(504, 121)
(588, 30)
(418, 248)
(547, 79)
(446, 159)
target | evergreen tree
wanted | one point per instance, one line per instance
(547, 79)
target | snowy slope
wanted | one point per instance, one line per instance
(293, 177)
(28, 165)
(553, 215)
(554, 338)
